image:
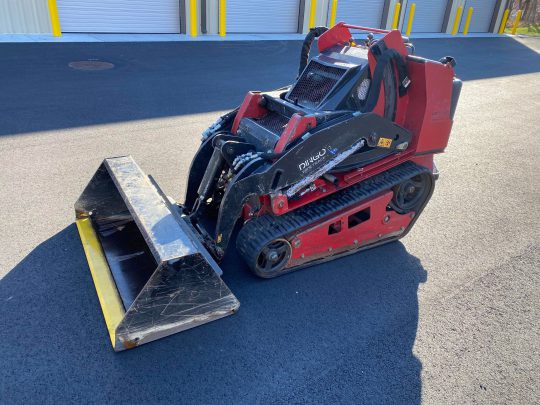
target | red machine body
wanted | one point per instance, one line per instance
(380, 77)
(425, 110)
(339, 161)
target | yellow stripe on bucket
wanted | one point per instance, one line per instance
(108, 296)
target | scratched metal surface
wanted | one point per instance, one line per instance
(165, 278)
(177, 297)
(162, 233)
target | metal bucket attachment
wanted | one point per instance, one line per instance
(152, 274)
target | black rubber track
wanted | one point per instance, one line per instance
(258, 232)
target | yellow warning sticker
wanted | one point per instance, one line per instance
(384, 142)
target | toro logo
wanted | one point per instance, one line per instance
(312, 159)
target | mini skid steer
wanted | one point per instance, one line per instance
(337, 162)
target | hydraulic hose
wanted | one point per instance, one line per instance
(306, 46)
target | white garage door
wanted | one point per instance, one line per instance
(127, 16)
(359, 12)
(481, 16)
(428, 16)
(258, 16)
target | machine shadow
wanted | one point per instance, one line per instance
(157, 80)
(148, 81)
(341, 331)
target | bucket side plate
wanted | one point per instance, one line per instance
(152, 274)
(177, 297)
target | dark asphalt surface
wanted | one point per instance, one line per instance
(449, 315)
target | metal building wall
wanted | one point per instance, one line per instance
(211, 18)
(367, 13)
(124, 16)
(481, 17)
(262, 16)
(428, 17)
(24, 17)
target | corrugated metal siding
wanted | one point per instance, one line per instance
(24, 17)
(360, 12)
(212, 16)
(481, 17)
(428, 16)
(262, 16)
(126, 16)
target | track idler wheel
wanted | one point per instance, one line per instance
(272, 259)
(411, 194)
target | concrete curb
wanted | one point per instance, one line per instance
(71, 37)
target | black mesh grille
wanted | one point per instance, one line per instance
(273, 122)
(315, 83)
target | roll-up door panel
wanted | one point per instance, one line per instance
(481, 16)
(262, 16)
(360, 12)
(428, 16)
(126, 16)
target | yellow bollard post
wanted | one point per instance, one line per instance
(222, 18)
(55, 21)
(193, 29)
(516, 22)
(457, 20)
(312, 12)
(333, 13)
(467, 21)
(396, 16)
(410, 20)
(503, 21)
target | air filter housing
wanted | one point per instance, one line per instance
(321, 84)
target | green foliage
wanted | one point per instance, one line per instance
(529, 29)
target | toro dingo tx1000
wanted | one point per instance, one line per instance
(339, 161)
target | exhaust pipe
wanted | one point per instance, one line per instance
(152, 274)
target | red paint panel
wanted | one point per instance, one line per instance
(279, 203)
(337, 35)
(297, 126)
(250, 108)
(424, 160)
(430, 98)
(377, 167)
(394, 40)
(324, 188)
(339, 234)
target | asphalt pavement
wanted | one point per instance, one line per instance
(449, 315)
